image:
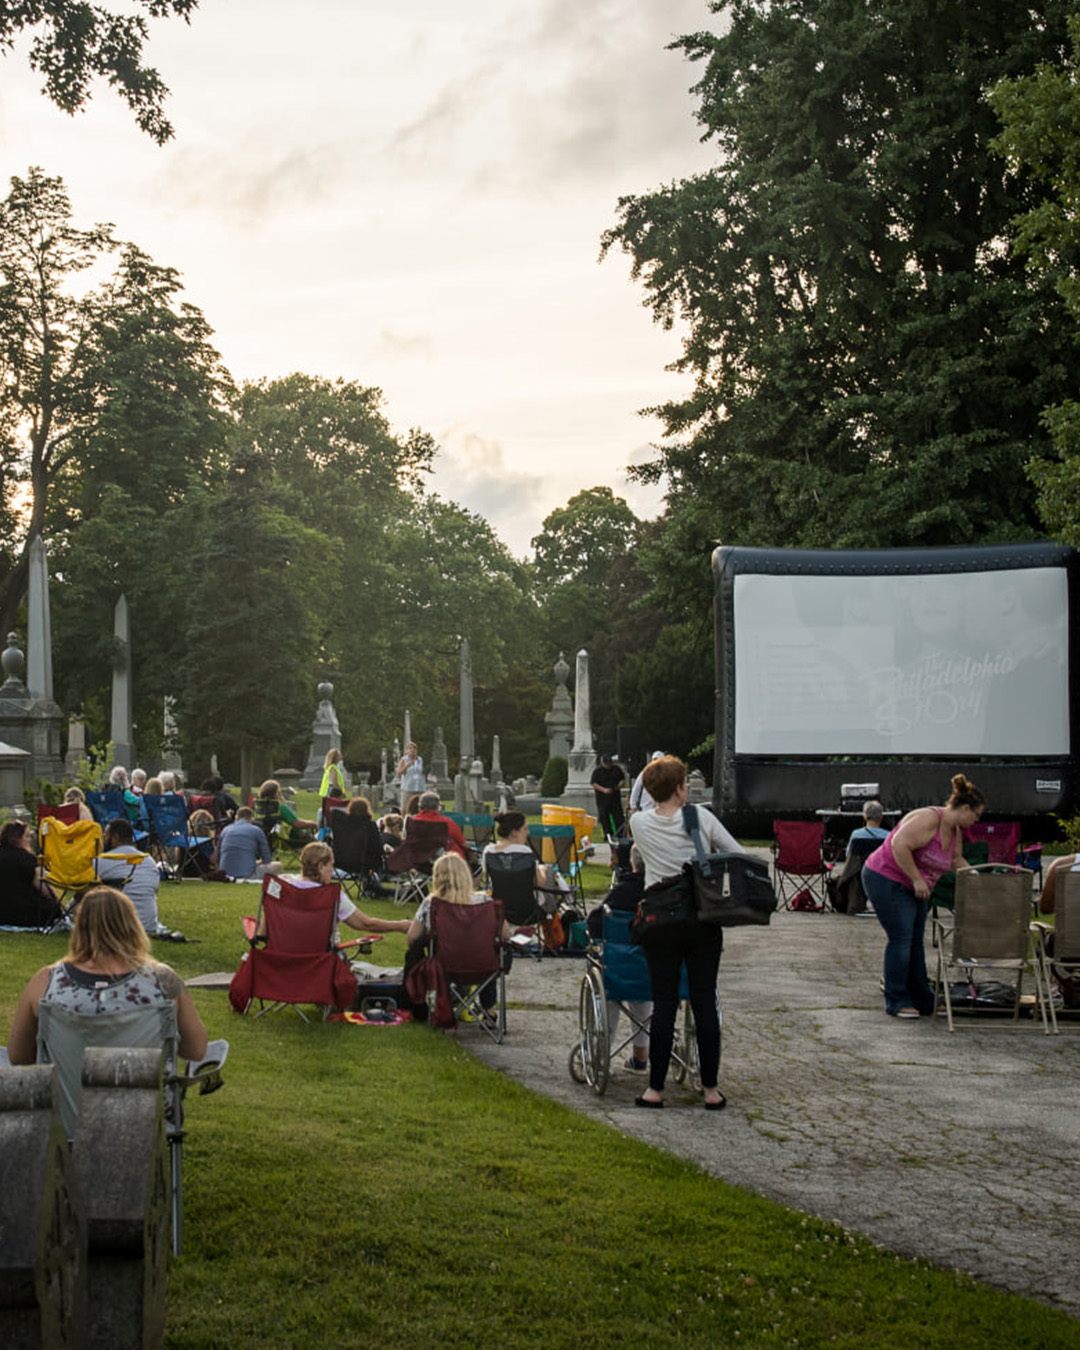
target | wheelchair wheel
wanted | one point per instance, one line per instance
(593, 1024)
(577, 1071)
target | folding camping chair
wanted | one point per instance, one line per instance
(167, 819)
(68, 812)
(1059, 946)
(569, 859)
(478, 829)
(294, 956)
(106, 805)
(355, 862)
(467, 942)
(412, 860)
(63, 1035)
(797, 863)
(512, 877)
(846, 892)
(991, 930)
(68, 855)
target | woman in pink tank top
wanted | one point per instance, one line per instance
(898, 878)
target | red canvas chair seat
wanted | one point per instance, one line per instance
(1003, 837)
(797, 861)
(466, 940)
(294, 957)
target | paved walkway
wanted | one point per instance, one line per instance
(962, 1148)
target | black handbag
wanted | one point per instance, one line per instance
(729, 889)
(666, 906)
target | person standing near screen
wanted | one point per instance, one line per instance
(898, 878)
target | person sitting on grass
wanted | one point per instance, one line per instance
(243, 850)
(132, 871)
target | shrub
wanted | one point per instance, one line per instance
(556, 772)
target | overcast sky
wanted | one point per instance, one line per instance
(411, 194)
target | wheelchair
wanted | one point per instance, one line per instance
(616, 971)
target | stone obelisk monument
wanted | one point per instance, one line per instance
(582, 756)
(120, 723)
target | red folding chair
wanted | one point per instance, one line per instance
(1002, 836)
(467, 942)
(412, 860)
(295, 956)
(798, 869)
(68, 812)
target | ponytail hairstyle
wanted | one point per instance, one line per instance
(506, 822)
(965, 793)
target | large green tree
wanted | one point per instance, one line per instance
(112, 402)
(1041, 139)
(75, 43)
(868, 360)
(586, 585)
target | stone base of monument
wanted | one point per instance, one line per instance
(43, 1266)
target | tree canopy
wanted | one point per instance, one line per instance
(858, 330)
(1041, 138)
(75, 43)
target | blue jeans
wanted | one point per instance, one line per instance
(904, 919)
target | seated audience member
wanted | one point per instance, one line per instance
(107, 968)
(26, 900)
(624, 895)
(225, 803)
(76, 795)
(872, 813)
(138, 881)
(243, 849)
(429, 810)
(322, 816)
(360, 808)
(317, 869)
(451, 881)
(154, 788)
(270, 800)
(118, 778)
(170, 782)
(138, 781)
(199, 862)
(412, 806)
(1068, 862)
(512, 836)
(391, 831)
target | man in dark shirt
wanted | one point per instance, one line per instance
(607, 781)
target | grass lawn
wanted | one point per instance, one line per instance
(356, 1186)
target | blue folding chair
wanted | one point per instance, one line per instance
(167, 821)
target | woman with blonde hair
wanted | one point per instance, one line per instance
(317, 869)
(76, 795)
(452, 882)
(333, 773)
(107, 968)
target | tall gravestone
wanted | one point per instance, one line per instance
(325, 736)
(468, 789)
(440, 766)
(582, 756)
(29, 718)
(29, 731)
(560, 720)
(120, 725)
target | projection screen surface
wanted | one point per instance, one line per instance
(964, 663)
